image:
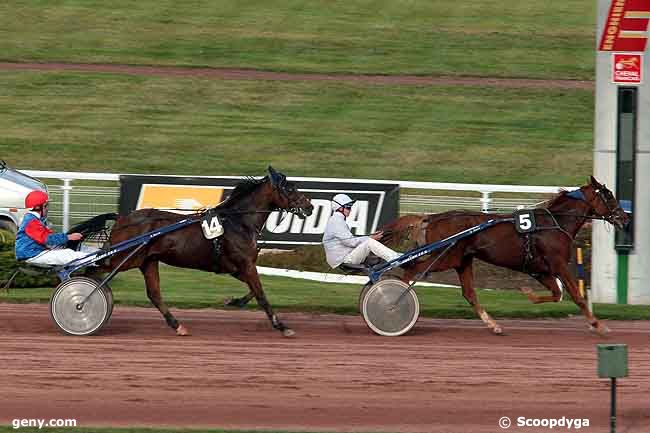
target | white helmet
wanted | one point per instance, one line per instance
(341, 200)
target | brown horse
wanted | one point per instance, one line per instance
(544, 254)
(242, 215)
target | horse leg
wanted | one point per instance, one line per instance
(152, 280)
(549, 281)
(250, 277)
(572, 288)
(465, 275)
(239, 302)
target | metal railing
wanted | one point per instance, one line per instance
(416, 203)
(79, 196)
(73, 204)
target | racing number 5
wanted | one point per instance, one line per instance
(524, 221)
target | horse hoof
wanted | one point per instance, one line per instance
(529, 294)
(228, 302)
(497, 330)
(233, 303)
(601, 330)
(288, 333)
(182, 331)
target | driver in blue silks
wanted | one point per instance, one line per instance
(36, 243)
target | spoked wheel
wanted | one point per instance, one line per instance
(74, 318)
(389, 307)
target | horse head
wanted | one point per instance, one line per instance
(604, 204)
(286, 195)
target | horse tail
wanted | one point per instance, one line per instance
(404, 229)
(94, 224)
(410, 231)
(96, 228)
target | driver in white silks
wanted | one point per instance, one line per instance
(341, 246)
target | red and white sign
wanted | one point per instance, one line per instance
(626, 68)
(627, 26)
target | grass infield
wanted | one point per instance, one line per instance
(526, 38)
(192, 126)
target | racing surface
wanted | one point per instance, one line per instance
(237, 373)
(253, 74)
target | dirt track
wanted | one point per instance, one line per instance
(234, 372)
(253, 74)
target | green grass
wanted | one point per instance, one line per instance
(526, 38)
(193, 289)
(119, 123)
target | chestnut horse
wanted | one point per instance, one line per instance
(242, 215)
(543, 254)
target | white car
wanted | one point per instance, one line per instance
(14, 187)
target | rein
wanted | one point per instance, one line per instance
(197, 214)
(576, 195)
(285, 213)
(557, 225)
(587, 217)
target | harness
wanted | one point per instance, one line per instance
(529, 239)
(216, 253)
(283, 187)
(208, 218)
(529, 247)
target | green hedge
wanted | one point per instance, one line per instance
(8, 265)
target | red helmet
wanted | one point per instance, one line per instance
(36, 199)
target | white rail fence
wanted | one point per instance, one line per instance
(78, 196)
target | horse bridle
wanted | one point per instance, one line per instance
(281, 186)
(609, 217)
(578, 194)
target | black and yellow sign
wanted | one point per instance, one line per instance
(179, 198)
(376, 204)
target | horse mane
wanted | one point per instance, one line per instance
(555, 198)
(455, 213)
(243, 189)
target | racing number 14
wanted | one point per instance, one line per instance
(213, 228)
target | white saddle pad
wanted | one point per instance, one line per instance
(211, 227)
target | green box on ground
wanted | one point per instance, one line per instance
(612, 360)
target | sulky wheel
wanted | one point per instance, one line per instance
(108, 292)
(363, 294)
(76, 319)
(109, 298)
(389, 307)
(367, 287)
